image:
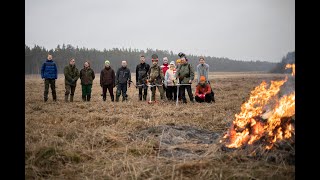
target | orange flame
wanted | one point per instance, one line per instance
(293, 68)
(254, 122)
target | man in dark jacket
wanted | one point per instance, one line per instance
(87, 76)
(71, 74)
(123, 77)
(49, 73)
(107, 81)
(141, 77)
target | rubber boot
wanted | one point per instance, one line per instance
(66, 97)
(54, 96)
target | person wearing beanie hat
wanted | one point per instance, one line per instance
(141, 78)
(86, 76)
(164, 67)
(185, 74)
(107, 81)
(49, 73)
(156, 77)
(203, 70)
(170, 81)
(71, 74)
(203, 91)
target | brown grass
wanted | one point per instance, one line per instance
(93, 140)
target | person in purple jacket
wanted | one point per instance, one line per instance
(49, 73)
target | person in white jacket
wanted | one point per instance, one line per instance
(170, 82)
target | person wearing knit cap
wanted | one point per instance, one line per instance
(203, 91)
(156, 77)
(107, 80)
(203, 70)
(87, 76)
(141, 77)
(185, 74)
(164, 67)
(170, 81)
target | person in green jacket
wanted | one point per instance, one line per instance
(86, 76)
(71, 74)
(185, 74)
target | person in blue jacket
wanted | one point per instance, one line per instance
(49, 73)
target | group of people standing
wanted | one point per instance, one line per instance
(171, 79)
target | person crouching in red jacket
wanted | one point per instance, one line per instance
(203, 91)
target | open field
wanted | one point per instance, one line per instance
(136, 140)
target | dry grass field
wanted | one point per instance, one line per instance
(136, 140)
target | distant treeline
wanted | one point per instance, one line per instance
(35, 56)
(288, 59)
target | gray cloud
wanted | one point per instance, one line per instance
(243, 30)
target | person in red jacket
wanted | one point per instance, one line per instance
(203, 91)
(164, 67)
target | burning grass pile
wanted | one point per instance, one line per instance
(135, 140)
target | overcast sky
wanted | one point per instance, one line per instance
(237, 29)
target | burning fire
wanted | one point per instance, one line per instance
(264, 116)
(291, 66)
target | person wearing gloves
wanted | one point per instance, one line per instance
(156, 77)
(203, 91)
(170, 82)
(107, 80)
(71, 74)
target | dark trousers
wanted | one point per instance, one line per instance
(182, 89)
(208, 98)
(106, 88)
(86, 90)
(122, 89)
(69, 89)
(145, 90)
(171, 92)
(165, 91)
(52, 83)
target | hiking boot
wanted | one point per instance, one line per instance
(66, 97)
